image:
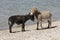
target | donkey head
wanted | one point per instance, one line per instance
(34, 11)
(31, 16)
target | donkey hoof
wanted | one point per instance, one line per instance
(37, 29)
(10, 32)
(23, 30)
(48, 27)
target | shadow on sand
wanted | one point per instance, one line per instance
(39, 29)
(20, 31)
(48, 28)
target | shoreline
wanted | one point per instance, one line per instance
(25, 25)
(32, 34)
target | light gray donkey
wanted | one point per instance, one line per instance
(40, 16)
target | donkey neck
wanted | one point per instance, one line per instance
(27, 17)
(37, 13)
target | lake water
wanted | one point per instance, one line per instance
(22, 7)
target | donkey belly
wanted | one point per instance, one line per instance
(19, 22)
(45, 17)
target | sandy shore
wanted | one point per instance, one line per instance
(32, 34)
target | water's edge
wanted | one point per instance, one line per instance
(22, 7)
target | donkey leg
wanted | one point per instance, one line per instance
(23, 27)
(41, 24)
(10, 23)
(10, 28)
(37, 25)
(49, 23)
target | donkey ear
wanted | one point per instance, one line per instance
(29, 13)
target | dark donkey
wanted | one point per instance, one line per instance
(40, 16)
(19, 19)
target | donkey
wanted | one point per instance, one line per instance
(40, 16)
(19, 19)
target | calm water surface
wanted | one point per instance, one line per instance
(22, 7)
